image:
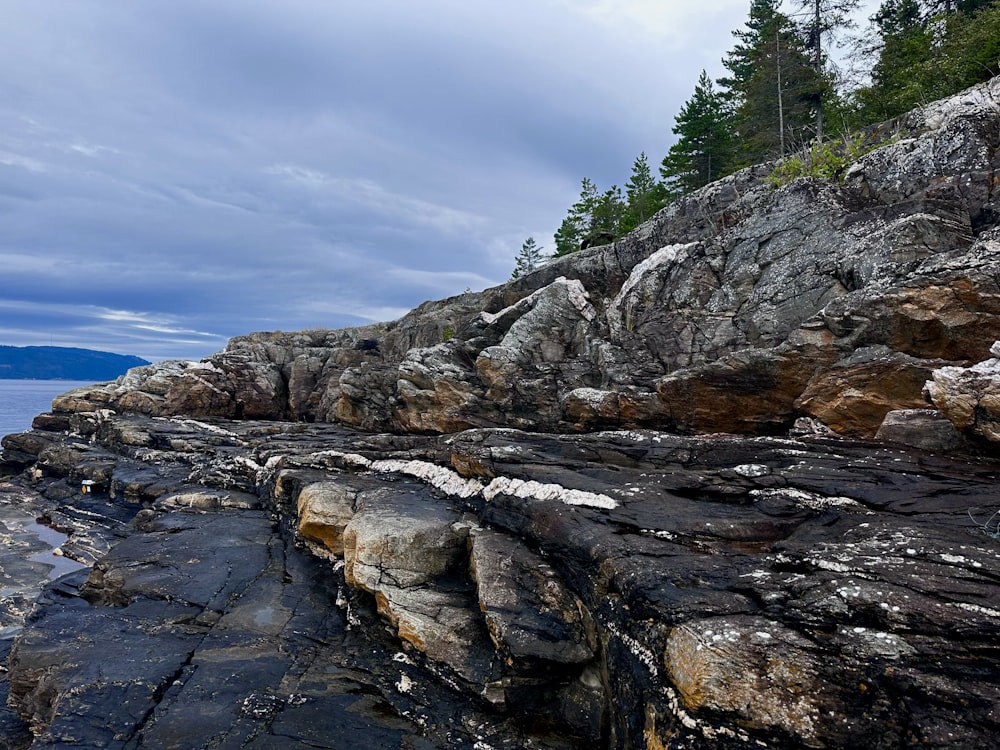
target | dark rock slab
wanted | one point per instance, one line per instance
(851, 592)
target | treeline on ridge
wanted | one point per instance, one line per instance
(781, 95)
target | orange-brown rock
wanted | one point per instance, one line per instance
(853, 396)
(751, 391)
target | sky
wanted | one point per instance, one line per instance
(177, 172)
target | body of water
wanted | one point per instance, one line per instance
(22, 400)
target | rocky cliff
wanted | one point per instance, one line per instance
(728, 482)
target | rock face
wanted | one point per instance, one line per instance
(739, 308)
(729, 482)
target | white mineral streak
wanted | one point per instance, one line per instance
(669, 536)
(810, 500)
(975, 608)
(249, 463)
(531, 490)
(404, 684)
(640, 652)
(451, 483)
(592, 397)
(273, 461)
(831, 565)
(438, 477)
(633, 435)
(203, 365)
(575, 293)
(663, 257)
(201, 426)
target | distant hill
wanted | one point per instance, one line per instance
(62, 363)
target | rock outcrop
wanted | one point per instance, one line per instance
(728, 482)
(739, 308)
(269, 584)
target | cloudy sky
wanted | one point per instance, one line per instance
(177, 172)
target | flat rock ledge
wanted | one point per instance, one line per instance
(251, 584)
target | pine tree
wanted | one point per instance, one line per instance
(924, 51)
(966, 7)
(970, 50)
(823, 18)
(771, 85)
(528, 259)
(703, 150)
(607, 218)
(902, 48)
(577, 223)
(567, 238)
(645, 196)
(594, 219)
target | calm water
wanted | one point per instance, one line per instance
(22, 400)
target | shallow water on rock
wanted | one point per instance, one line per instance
(52, 556)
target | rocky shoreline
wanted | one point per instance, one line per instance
(260, 584)
(730, 482)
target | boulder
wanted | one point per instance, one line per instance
(927, 429)
(400, 540)
(324, 510)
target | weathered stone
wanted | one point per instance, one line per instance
(970, 396)
(902, 255)
(749, 391)
(861, 564)
(752, 669)
(625, 588)
(201, 498)
(853, 396)
(530, 613)
(927, 429)
(401, 540)
(324, 510)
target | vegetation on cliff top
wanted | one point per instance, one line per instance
(783, 97)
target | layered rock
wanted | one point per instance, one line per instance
(296, 583)
(741, 293)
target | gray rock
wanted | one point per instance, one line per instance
(522, 588)
(598, 564)
(927, 429)
(531, 615)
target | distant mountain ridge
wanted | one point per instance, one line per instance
(63, 363)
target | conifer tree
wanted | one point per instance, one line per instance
(645, 196)
(577, 223)
(567, 237)
(901, 49)
(528, 259)
(926, 51)
(771, 85)
(703, 150)
(822, 18)
(607, 218)
(594, 219)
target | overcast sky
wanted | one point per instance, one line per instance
(177, 172)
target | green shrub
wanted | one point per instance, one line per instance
(826, 160)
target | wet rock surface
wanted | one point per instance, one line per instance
(309, 586)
